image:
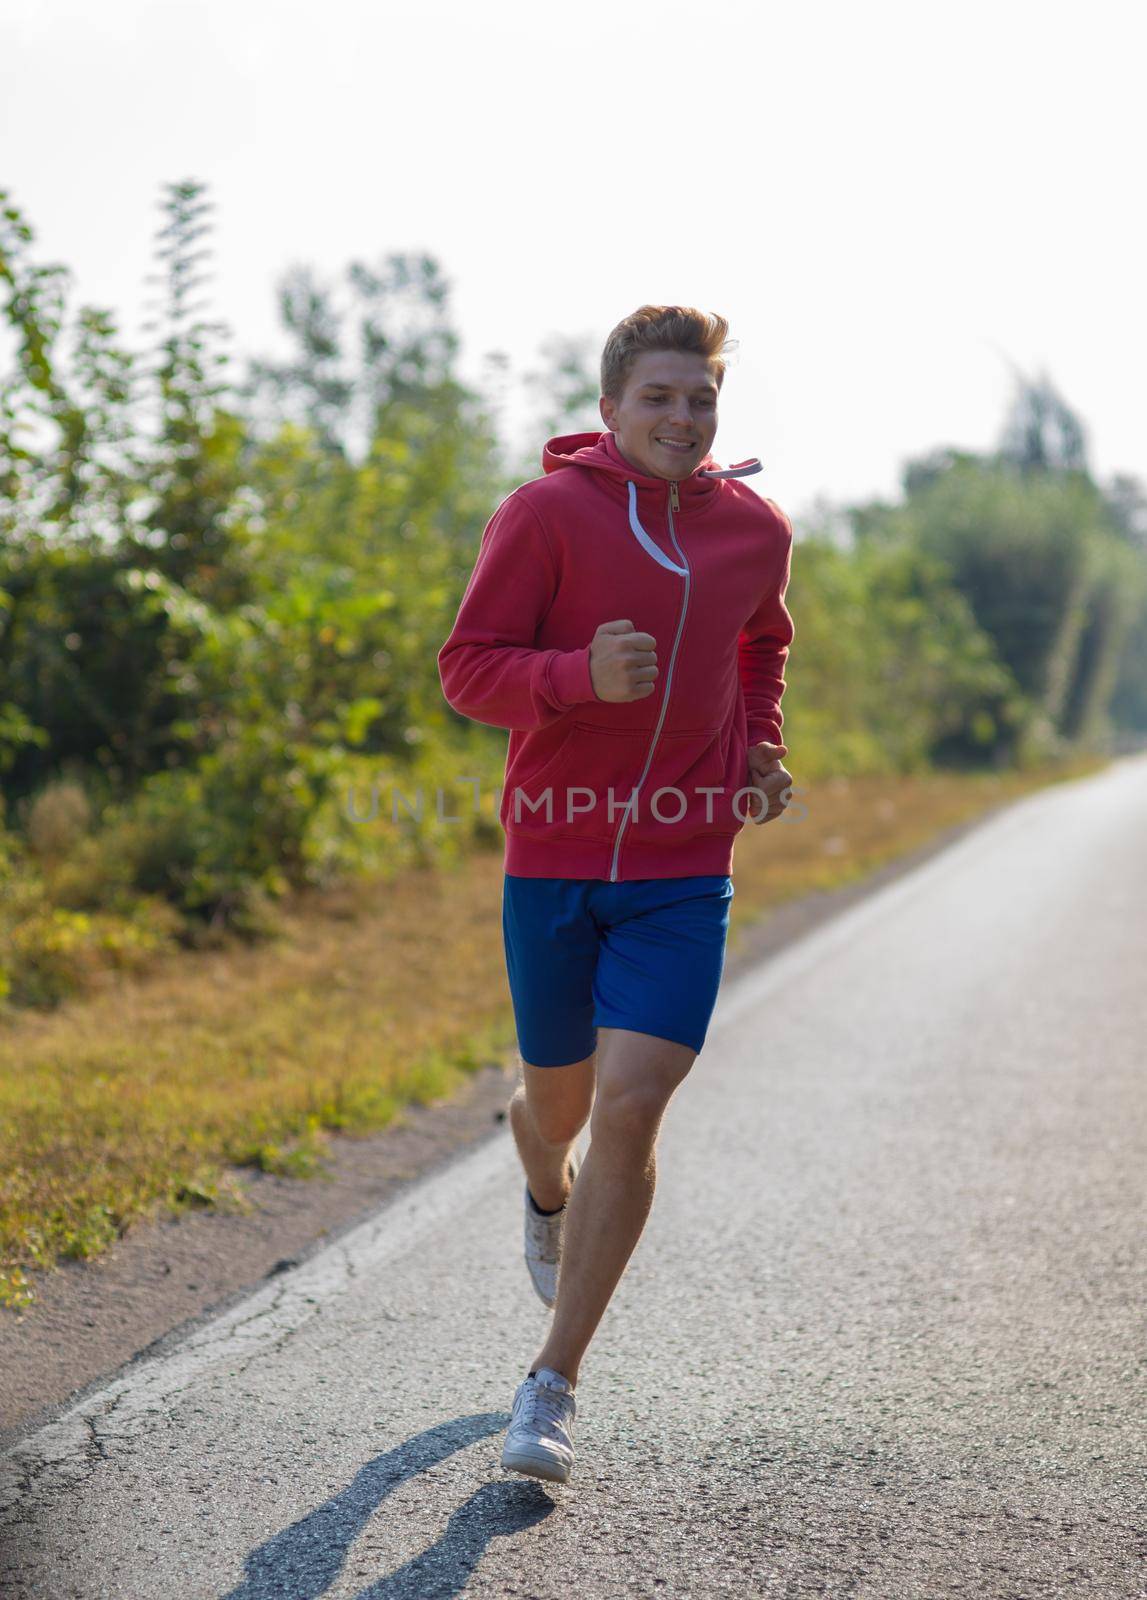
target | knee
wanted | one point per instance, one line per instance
(554, 1124)
(631, 1115)
(559, 1127)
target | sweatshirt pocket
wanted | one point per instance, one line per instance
(692, 786)
(581, 789)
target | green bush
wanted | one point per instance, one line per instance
(62, 925)
(222, 840)
(889, 671)
(51, 954)
(57, 818)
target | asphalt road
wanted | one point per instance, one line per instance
(884, 1335)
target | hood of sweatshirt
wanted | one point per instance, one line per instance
(599, 452)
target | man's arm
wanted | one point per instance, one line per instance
(763, 649)
(489, 667)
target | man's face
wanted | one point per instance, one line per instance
(670, 397)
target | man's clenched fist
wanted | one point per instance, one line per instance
(622, 662)
(772, 781)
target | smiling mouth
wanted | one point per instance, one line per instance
(680, 446)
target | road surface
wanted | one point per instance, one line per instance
(883, 1336)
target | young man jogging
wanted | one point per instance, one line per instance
(625, 621)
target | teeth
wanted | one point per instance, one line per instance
(676, 444)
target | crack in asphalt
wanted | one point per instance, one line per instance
(38, 1466)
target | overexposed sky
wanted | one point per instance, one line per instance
(890, 202)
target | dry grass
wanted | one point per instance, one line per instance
(153, 1092)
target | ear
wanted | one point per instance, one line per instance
(606, 407)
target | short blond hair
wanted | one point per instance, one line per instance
(662, 328)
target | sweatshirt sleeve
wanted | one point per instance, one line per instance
(763, 649)
(489, 667)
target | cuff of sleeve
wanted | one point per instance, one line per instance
(569, 677)
(760, 732)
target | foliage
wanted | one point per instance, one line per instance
(209, 604)
(1048, 562)
(222, 599)
(1041, 433)
(894, 669)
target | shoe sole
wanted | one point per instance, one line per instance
(541, 1465)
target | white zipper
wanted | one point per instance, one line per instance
(674, 504)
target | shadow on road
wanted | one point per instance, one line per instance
(306, 1558)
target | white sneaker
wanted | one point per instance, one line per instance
(544, 1242)
(539, 1441)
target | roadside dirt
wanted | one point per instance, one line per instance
(92, 1319)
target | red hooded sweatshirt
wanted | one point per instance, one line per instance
(645, 788)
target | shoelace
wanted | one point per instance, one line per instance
(547, 1410)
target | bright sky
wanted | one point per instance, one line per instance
(890, 202)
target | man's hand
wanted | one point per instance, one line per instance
(768, 775)
(622, 662)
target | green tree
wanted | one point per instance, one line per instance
(894, 672)
(112, 464)
(1041, 432)
(1051, 564)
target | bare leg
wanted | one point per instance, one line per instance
(611, 1200)
(548, 1111)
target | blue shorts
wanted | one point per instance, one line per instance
(584, 953)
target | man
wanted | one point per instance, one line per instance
(625, 620)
